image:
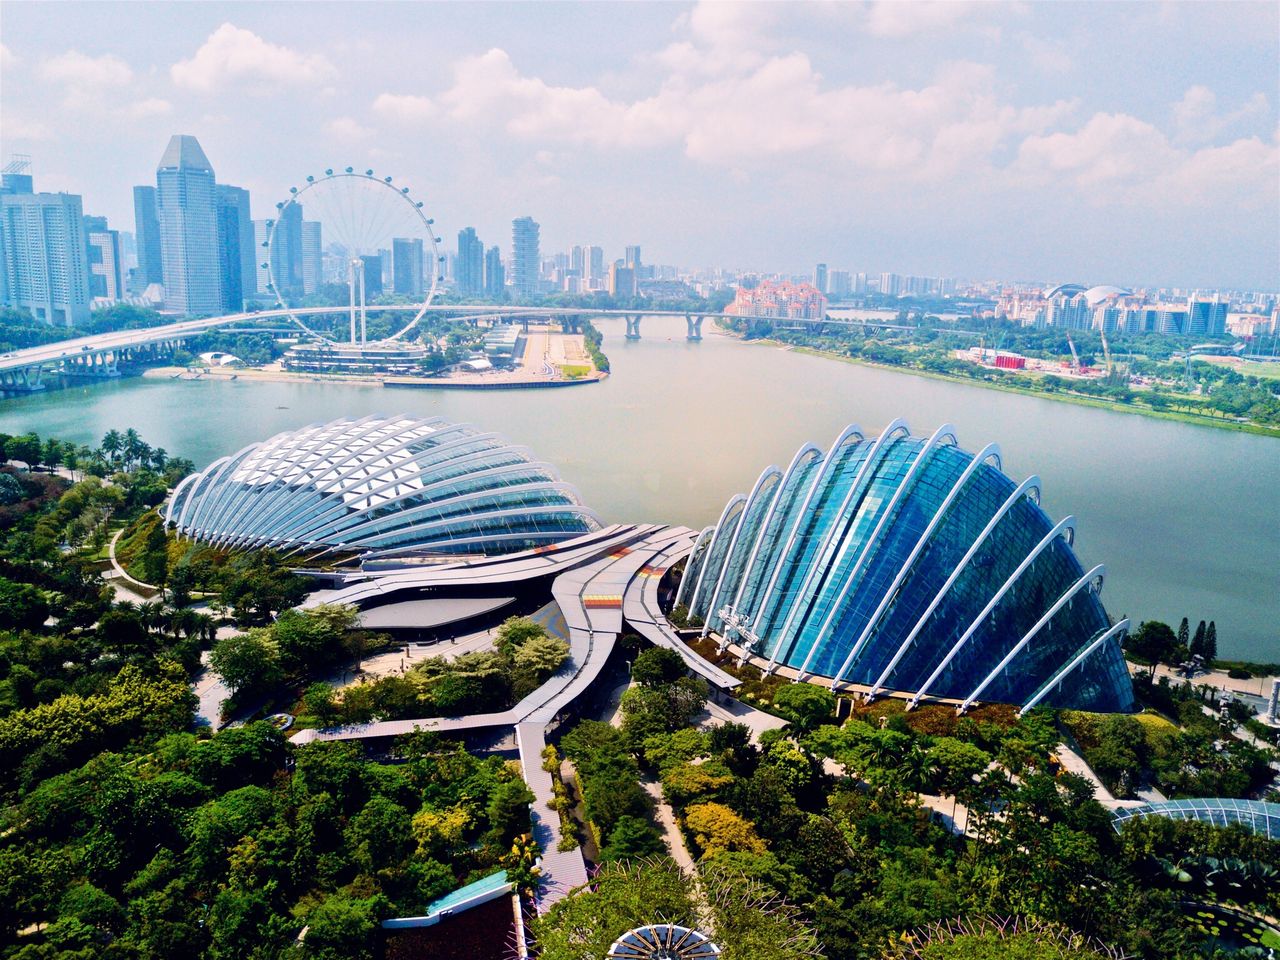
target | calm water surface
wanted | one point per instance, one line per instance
(1187, 519)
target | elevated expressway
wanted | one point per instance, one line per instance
(599, 581)
(100, 354)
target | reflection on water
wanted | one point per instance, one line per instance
(1187, 519)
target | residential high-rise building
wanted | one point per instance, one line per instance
(524, 256)
(43, 265)
(187, 208)
(595, 263)
(105, 256)
(495, 275)
(860, 283)
(622, 281)
(16, 177)
(236, 254)
(147, 226)
(406, 269)
(839, 283)
(890, 284)
(820, 278)
(1206, 317)
(312, 256)
(470, 269)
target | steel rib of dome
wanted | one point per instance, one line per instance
(380, 486)
(906, 564)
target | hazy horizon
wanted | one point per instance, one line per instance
(1084, 142)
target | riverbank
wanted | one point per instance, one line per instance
(1058, 395)
(512, 380)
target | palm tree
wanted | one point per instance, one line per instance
(111, 445)
(132, 447)
(159, 457)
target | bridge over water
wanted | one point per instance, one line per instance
(100, 355)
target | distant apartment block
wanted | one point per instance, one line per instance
(769, 299)
(43, 253)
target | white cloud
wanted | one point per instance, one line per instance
(150, 107)
(19, 128)
(346, 128)
(233, 55)
(904, 18)
(1117, 159)
(404, 107)
(7, 58)
(1197, 120)
(79, 71)
(1047, 56)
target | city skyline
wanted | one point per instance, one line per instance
(1064, 173)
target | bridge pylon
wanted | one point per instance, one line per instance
(633, 326)
(694, 322)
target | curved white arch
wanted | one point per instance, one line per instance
(1059, 528)
(1096, 574)
(828, 464)
(683, 589)
(768, 472)
(987, 452)
(1079, 658)
(734, 501)
(831, 539)
(808, 450)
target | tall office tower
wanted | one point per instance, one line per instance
(495, 274)
(372, 267)
(147, 225)
(1206, 317)
(622, 281)
(406, 269)
(286, 251)
(595, 263)
(524, 257)
(105, 257)
(236, 253)
(187, 208)
(312, 256)
(632, 258)
(470, 270)
(820, 277)
(839, 283)
(42, 253)
(578, 261)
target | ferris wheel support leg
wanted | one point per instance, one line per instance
(364, 316)
(352, 289)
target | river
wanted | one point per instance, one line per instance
(1186, 518)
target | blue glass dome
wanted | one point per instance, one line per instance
(380, 487)
(904, 564)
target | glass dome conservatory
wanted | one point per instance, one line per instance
(380, 487)
(900, 563)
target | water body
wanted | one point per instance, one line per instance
(1186, 518)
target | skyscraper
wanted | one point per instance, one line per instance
(187, 208)
(260, 233)
(622, 281)
(820, 277)
(524, 256)
(406, 269)
(577, 261)
(470, 269)
(312, 256)
(105, 257)
(633, 258)
(147, 224)
(595, 263)
(286, 251)
(236, 254)
(372, 266)
(42, 254)
(495, 274)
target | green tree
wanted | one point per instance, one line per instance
(807, 704)
(247, 662)
(632, 838)
(26, 448)
(22, 606)
(1211, 643)
(1153, 641)
(380, 836)
(657, 667)
(345, 927)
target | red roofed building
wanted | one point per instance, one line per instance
(802, 301)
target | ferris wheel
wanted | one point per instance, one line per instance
(378, 239)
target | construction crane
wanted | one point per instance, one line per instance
(1075, 357)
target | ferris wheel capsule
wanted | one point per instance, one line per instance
(329, 172)
(350, 170)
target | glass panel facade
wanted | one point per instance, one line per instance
(839, 534)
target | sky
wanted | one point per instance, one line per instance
(1130, 143)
